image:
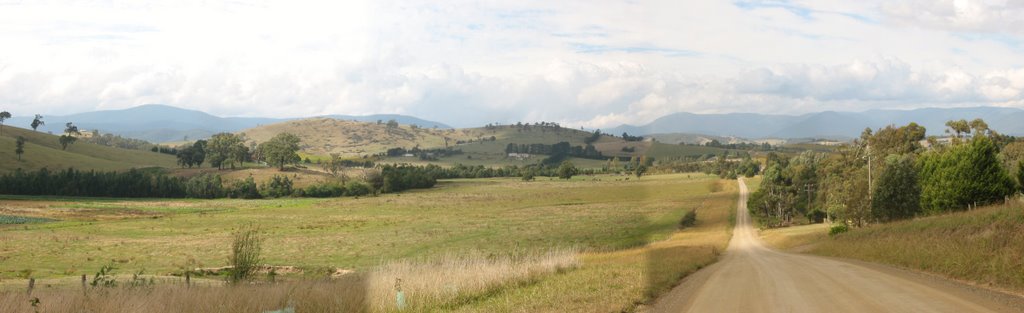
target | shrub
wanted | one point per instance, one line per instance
(204, 187)
(405, 177)
(356, 189)
(689, 219)
(837, 229)
(278, 186)
(324, 190)
(245, 189)
(245, 253)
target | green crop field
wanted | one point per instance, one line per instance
(614, 222)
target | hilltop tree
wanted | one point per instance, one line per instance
(566, 170)
(392, 123)
(958, 128)
(19, 147)
(37, 121)
(3, 116)
(897, 195)
(593, 137)
(281, 150)
(70, 131)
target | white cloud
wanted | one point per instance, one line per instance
(469, 63)
(987, 16)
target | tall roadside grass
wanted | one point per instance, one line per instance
(455, 279)
(427, 285)
(985, 245)
(626, 279)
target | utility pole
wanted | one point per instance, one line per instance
(868, 157)
(809, 187)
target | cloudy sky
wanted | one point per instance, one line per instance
(586, 63)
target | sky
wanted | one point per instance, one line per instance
(466, 63)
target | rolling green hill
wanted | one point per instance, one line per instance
(43, 150)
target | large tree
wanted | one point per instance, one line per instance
(1011, 154)
(566, 170)
(37, 121)
(3, 116)
(19, 147)
(226, 149)
(281, 150)
(70, 135)
(1020, 175)
(897, 194)
(962, 175)
(192, 155)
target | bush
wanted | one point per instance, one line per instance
(245, 189)
(278, 186)
(689, 219)
(324, 190)
(245, 253)
(837, 229)
(204, 186)
(405, 177)
(356, 189)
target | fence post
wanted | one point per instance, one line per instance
(31, 284)
(83, 284)
(188, 279)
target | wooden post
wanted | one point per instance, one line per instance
(83, 283)
(31, 284)
(188, 279)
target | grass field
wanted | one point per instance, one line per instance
(984, 246)
(621, 228)
(43, 150)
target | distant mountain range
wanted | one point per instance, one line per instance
(829, 124)
(163, 123)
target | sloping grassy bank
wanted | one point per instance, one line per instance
(984, 246)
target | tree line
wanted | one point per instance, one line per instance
(890, 174)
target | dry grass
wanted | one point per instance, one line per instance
(622, 280)
(796, 238)
(984, 246)
(343, 295)
(445, 282)
(455, 279)
(625, 230)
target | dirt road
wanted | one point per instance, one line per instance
(754, 278)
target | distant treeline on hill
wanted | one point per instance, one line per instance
(559, 149)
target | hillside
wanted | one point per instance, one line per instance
(163, 123)
(323, 136)
(479, 146)
(698, 139)
(43, 150)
